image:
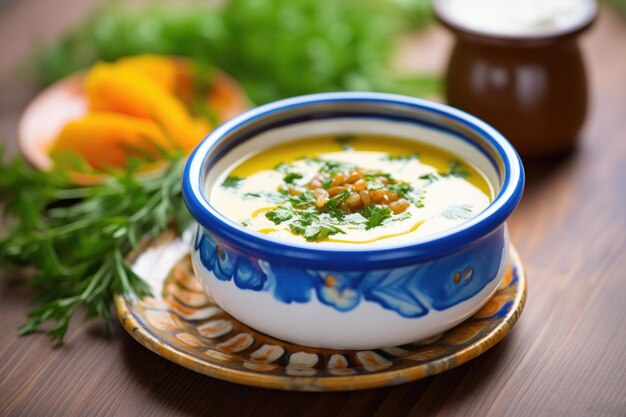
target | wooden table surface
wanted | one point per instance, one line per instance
(565, 357)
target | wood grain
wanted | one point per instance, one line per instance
(566, 356)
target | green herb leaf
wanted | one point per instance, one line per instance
(291, 177)
(335, 167)
(232, 182)
(373, 176)
(303, 199)
(375, 215)
(336, 201)
(310, 160)
(314, 226)
(279, 215)
(463, 211)
(272, 197)
(345, 141)
(402, 188)
(405, 158)
(310, 223)
(455, 170)
(282, 167)
(430, 177)
(321, 230)
(77, 238)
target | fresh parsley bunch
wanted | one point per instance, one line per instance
(77, 237)
(274, 48)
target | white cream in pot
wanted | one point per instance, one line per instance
(517, 17)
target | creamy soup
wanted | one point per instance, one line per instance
(351, 189)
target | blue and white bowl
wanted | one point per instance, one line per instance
(352, 297)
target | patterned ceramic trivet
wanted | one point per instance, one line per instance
(182, 324)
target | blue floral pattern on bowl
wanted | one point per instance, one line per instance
(410, 291)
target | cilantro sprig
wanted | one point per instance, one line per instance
(232, 182)
(309, 222)
(454, 170)
(291, 177)
(375, 215)
(458, 211)
(403, 158)
(335, 167)
(314, 225)
(345, 141)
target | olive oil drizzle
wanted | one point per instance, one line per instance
(268, 230)
(379, 238)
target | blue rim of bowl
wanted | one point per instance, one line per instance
(309, 255)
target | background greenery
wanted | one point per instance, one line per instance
(275, 48)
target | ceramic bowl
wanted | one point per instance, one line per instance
(352, 297)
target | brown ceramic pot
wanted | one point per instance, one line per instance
(533, 89)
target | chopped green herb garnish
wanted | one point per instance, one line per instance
(302, 200)
(245, 222)
(375, 215)
(342, 139)
(337, 200)
(280, 214)
(402, 188)
(315, 228)
(232, 182)
(309, 159)
(309, 222)
(321, 231)
(291, 177)
(335, 167)
(463, 211)
(406, 158)
(401, 217)
(377, 180)
(272, 197)
(407, 191)
(430, 177)
(345, 141)
(314, 221)
(371, 176)
(455, 171)
(282, 167)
